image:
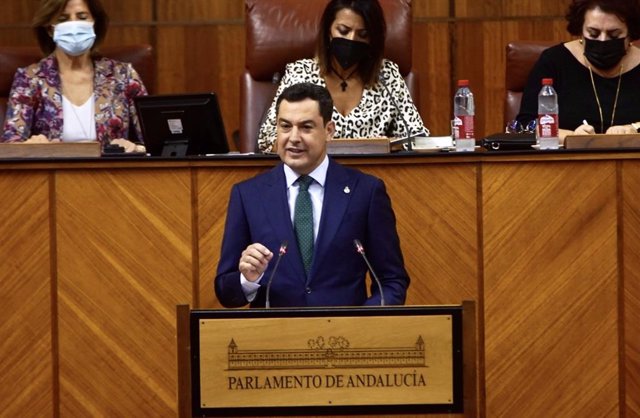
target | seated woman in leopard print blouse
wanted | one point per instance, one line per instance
(350, 65)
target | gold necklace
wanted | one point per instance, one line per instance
(615, 103)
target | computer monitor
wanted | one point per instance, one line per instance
(176, 125)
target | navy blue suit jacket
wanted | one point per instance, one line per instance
(355, 206)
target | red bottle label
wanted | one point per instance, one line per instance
(548, 126)
(463, 127)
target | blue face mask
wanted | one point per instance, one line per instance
(74, 37)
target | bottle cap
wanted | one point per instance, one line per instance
(547, 81)
(463, 83)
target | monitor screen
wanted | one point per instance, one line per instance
(182, 124)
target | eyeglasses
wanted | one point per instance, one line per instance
(515, 127)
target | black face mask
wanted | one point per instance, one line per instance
(604, 55)
(347, 52)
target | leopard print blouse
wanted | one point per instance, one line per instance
(374, 117)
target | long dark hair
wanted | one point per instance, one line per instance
(49, 9)
(627, 11)
(374, 22)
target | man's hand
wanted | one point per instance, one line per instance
(254, 261)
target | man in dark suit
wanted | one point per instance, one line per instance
(318, 207)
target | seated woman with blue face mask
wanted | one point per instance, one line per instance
(597, 76)
(73, 95)
(349, 63)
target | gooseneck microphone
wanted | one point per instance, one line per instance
(281, 252)
(360, 250)
(400, 116)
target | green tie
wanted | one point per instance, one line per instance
(303, 221)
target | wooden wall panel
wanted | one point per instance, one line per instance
(432, 62)
(439, 229)
(476, 9)
(198, 10)
(135, 274)
(470, 63)
(214, 188)
(129, 35)
(543, 30)
(17, 11)
(216, 67)
(551, 335)
(426, 9)
(129, 11)
(631, 293)
(521, 8)
(26, 365)
(18, 36)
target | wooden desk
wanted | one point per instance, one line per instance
(97, 253)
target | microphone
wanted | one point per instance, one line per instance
(360, 250)
(283, 251)
(401, 116)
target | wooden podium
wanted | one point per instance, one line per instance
(315, 361)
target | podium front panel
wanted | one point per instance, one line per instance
(360, 360)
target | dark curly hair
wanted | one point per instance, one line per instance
(374, 22)
(49, 9)
(627, 11)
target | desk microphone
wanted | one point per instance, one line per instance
(401, 116)
(360, 250)
(283, 251)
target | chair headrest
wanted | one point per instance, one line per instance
(282, 31)
(521, 56)
(12, 58)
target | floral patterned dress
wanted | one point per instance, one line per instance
(35, 103)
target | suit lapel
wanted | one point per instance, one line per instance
(338, 188)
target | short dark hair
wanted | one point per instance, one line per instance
(627, 11)
(374, 22)
(302, 91)
(49, 9)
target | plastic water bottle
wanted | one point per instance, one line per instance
(547, 131)
(463, 118)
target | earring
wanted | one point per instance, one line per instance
(581, 41)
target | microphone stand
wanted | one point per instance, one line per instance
(409, 139)
(360, 249)
(283, 251)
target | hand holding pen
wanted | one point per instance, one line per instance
(585, 129)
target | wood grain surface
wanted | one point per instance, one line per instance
(550, 287)
(98, 253)
(27, 381)
(124, 262)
